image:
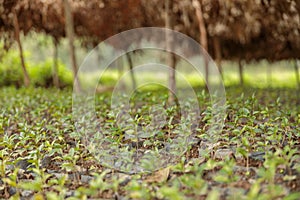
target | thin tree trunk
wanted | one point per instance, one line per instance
(269, 75)
(241, 73)
(296, 67)
(120, 67)
(203, 35)
(70, 34)
(17, 36)
(119, 64)
(98, 50)
(218, 55)
(133, 80)
(171, 59)
(55, 65)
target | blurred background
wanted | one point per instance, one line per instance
(254, 43)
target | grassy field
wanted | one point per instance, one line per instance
(257, 155)
(257, 75)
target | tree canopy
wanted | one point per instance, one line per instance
(261, 29)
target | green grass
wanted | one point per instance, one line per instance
(42, 157)
(255, 75)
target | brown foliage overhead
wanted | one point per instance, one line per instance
(33, 15)
(104, 18)
(255, 29)
(246, 29)
(94, 18)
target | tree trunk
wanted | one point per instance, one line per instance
(133, 80)
(218, 55)
(296, 67)
(17, 36)
(55, 65)
(203, 36)
(171, 59)
(241, 73)
(98, 51)
(70, 34)
(269, 75)
(119, 63)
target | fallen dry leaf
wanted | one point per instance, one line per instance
(159, 176)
